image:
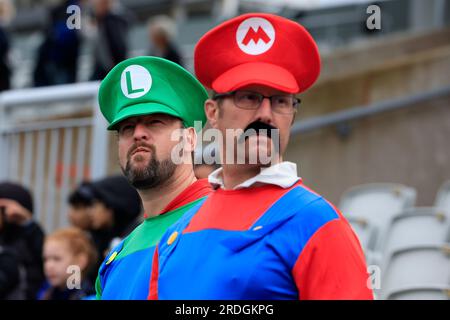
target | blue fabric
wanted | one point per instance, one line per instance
(125, 285)
(249, 264)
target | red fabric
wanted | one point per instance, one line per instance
(195, 191)
(226, 59)
(333, 206)
(332, 265)
(256, 72)
(243, 207)
(153, 289)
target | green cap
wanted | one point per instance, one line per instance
(147, 85)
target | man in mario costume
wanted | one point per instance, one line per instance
(261, 234)
(146, 100)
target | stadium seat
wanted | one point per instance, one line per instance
(416, 227)
(443, 197)
(420, 293)
(420, 268)
(365, 232)
(376, 204)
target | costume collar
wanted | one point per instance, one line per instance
(283, 174)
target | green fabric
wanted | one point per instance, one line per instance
(148, 233)
(146, 85)
(98, 289)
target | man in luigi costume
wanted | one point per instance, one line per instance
(146, 100)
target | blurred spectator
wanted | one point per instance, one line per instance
(80, 200)
(109, 38)
(110, 206)
(9, 269)
(63, 249)
(6, 14)
(23, 235)
(162, 31)
(57, 58)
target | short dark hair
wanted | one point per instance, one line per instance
(82, 196)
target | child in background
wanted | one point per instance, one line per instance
(63, 249)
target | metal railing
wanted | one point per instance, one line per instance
(365, 111)
(51, 154)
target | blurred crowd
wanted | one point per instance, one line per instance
(38, 266)
(63, 264)
(103, 24)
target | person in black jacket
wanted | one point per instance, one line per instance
(6, 14)
(9, 268)
(113, 210)
(9, 273)
(5, 71)
(57, 57)
(22, 234)
(161, 31)
(110, 46)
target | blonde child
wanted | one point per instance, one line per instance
(68, 256)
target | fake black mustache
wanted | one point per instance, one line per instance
(257, 126)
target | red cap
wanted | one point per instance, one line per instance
(257, 48)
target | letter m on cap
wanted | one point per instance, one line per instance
(255, 36)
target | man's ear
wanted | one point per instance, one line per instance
(190, 139)
(212, 112)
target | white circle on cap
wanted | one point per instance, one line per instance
(255, 35)
(135, 81)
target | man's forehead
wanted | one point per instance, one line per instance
(265, 90)
(161, 116)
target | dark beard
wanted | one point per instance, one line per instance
(155, 174)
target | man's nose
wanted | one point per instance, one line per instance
(140, 132)
(264, 113)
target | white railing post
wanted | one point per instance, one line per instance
(99, 146)
(4, 152)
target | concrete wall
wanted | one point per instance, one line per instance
(409, 146)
